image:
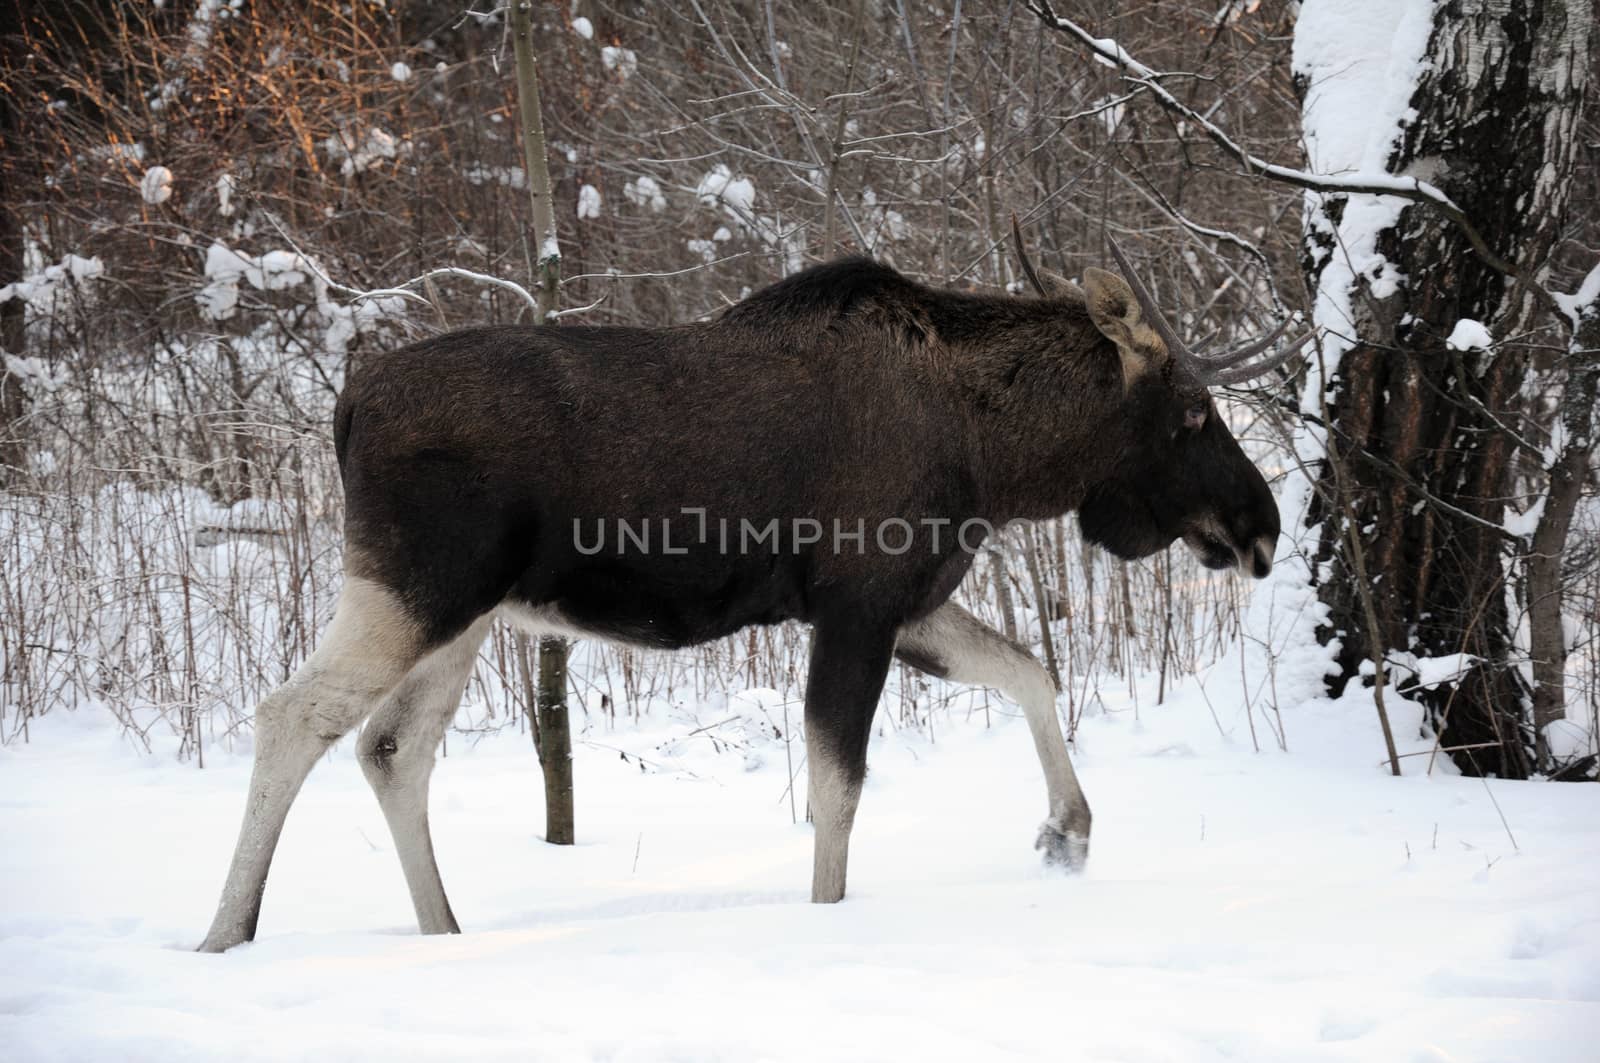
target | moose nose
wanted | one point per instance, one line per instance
(1260, 560)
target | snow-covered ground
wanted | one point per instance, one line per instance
(1238, 906)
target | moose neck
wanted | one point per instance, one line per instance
(1044, 391)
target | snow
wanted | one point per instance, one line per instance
(1588, 293)
(1111, 54)
(1236, 906)
(1431, 671)
(583, 28)
(400, 72)
(280, 270)
(201, 26)
(156, 185)
(120, 154)
(272, 271)
(645, 191)
(719, 185)
(1361, 60)
(735, 196)
(1469, 335)
(39, 288)
(226, 185)
(1525, 523)
(509, 176)
(621, 60)
(38, 376)
(588, 202)
(881, 224)
(1111, 110)
(357, 153)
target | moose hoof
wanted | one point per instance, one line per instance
(222, 941)
(1063, 847)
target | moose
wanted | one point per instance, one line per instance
(846, 396)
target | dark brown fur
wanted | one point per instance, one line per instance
(846, 392)
(846, 395)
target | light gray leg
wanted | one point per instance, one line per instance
(834, 792)
(370, 645)
(849, 661)
(397, 754)
(953, 644)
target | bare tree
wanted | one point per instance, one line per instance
(553, 731)
(728, 144)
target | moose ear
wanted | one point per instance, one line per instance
(1115, 312)
(1057, 285)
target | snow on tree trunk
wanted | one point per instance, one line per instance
(1547, 637)
(1481, 98)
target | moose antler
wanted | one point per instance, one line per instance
(1223, 369)
(1022, 256)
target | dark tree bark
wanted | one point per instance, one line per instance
(13, 400)
(555, 742)
(1420, 429)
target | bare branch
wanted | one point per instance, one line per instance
(1111, 53)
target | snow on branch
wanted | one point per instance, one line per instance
(400, 291)
(1587, 293)
(1108, 52)
(443, 271)
(1112, 54)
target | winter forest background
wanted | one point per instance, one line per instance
(194, 194)
(208, 209)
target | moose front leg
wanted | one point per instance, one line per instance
(849, 661)
(951, 643)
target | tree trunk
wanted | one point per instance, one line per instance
(1418, 427)
(13, 400)
(1547, 636)
(555, 729)
(555, 742)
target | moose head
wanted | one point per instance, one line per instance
(1178, 472)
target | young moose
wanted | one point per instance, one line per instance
(478, 465)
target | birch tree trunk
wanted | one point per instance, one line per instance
(1421, 429)
(554, 727)
(1547, 636)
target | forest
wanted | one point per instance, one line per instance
(210, 210)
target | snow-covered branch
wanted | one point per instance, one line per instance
(1113, 54)
(443, 271)
(401, 290)
(1587, 294)
(1110, 53)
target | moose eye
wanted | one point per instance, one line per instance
(1195, 416)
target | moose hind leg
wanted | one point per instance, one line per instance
(953, 644)
(368, 647)
(848, 667)
(397, 755)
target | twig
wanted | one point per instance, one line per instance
(1113, 54)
